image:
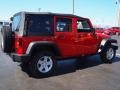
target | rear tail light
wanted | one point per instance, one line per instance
(19, 48)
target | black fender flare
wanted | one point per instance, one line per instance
(106, 42)
(41, 44)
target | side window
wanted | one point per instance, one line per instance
(16, 23)
(63, 25)
(39, 24)
(83, 26)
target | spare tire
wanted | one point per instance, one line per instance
(6, 43)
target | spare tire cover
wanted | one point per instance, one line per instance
(6, 43)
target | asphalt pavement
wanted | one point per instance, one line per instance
(90, 75)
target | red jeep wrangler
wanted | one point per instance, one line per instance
(40, 39)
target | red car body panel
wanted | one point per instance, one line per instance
(109, 32)
(99, 31)
(113, 31)
(116, 29)
(70, 44)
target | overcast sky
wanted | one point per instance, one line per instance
(101, 12)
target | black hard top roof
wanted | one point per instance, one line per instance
(54, 14)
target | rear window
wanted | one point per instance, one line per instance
(38, 24)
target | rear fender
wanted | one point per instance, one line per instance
(42, 45)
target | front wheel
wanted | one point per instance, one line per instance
(108, 54)
(43, 64)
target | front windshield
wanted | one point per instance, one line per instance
(16, 23)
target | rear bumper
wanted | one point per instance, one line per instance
(19, 57)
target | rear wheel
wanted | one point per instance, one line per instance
(108, 54)
(43, 64)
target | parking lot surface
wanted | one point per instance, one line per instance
(90, 75)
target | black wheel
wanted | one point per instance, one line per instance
(108, 54)
(6, 40)
(43, 64)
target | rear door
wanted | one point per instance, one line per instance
(64, 36)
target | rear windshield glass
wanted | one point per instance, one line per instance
(38, 24)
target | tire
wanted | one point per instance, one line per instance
(43, 64)
(108, 54)
(6, 40)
